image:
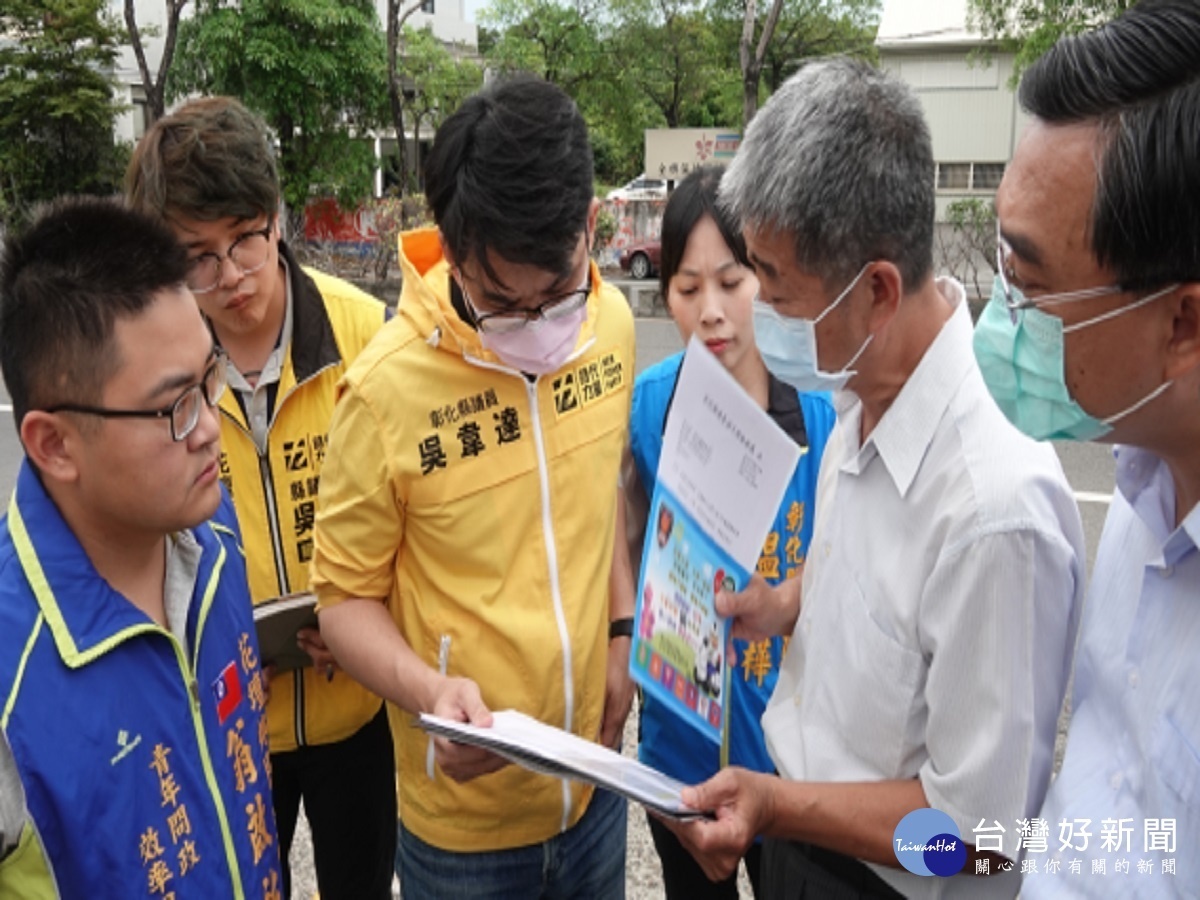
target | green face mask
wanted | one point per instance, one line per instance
(1020, 353)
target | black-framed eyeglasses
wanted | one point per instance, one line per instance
(1014, 297)
(509, 320)
(183, 414)
(249, 253)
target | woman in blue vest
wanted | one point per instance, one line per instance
(709, 288)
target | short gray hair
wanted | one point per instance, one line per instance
(841, 159)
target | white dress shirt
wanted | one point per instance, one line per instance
(1133, 749)
(940, 604)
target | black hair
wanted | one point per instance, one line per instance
(694, 198)
(511, 172)
(82, 263)
(1138, 79)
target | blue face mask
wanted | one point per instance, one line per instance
(1024, 368)
(789, 346)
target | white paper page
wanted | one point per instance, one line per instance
(545, 748)
(723, 456)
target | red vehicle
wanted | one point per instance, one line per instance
(640, 259)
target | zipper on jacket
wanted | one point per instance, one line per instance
(285, 585)
(193, 689)
(560, 618)
(268, 486)
(551, 550)
(298, 712)
(281, 399)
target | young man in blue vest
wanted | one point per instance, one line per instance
(130, 686)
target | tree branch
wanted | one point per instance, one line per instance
(395, 22)
(764, 39)
(135, 38)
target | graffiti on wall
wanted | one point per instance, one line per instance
(349, 231)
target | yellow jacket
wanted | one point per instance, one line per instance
(275, 494)
(481, 506)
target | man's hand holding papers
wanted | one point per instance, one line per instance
(552, 751)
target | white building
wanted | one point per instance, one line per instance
(972, 111)
(446, 17)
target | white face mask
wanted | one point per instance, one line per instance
(789, 346)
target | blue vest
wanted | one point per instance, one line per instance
(144, 762)
(665, 744)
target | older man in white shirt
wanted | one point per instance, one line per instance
(932, 636)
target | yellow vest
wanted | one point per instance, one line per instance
(275, 494)
(480, 506)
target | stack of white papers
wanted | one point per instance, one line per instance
(552, 751)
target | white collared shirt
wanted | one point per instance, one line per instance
(940, 602)
(1131, 774)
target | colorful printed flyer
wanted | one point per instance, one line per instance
(723, 471)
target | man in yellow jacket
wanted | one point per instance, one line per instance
(468, 505)
(289, 334)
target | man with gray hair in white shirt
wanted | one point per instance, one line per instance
(914, 720)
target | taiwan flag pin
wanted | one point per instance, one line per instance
(227, 689)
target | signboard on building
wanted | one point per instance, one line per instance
(673, 152)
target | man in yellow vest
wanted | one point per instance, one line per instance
(289, 333)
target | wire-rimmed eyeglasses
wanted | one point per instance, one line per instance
(509, 320)
(1014, 297)
(249, 253)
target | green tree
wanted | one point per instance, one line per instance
(573, 46)
(1030, 27)
(668, 52)
(314, 69)
(810, 29)
(803, 29)
(437, 83)
(56, 103)
(559, 42)
(965, 243)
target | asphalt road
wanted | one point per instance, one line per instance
(1089, 470)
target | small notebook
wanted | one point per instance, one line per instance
(277, 620)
